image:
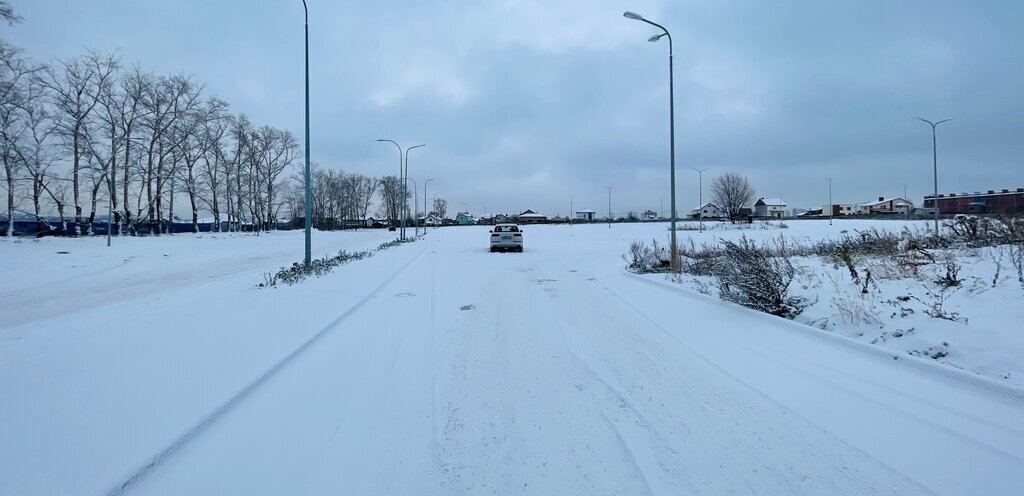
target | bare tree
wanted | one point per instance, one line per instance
(7, 13)
(170, 99)
(391, 198)
(213, 136)
(37, 151)
(75, 88)
(731, 191)
(441, 207)
(133, 89)
(14, 96)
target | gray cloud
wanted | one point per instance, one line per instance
(522, 103)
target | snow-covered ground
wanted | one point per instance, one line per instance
(896, 313)
(436, 367)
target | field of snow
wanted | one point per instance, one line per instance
(158, 366)
(985, 337)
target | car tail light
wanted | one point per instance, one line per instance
(494, 235)
(518, 235)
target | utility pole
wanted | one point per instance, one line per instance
(571, 213)
(309, 194)
(700, 195)
(935, 169)
(609, 206)
(831, 209)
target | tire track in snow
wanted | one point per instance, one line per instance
(218, 413)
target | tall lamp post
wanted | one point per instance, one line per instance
(401, 234)
(671, 123)
(425, 204)
(700, 195)
(935, 169)
(609, 188)
(309, 207)
(405, 196)
(831, 208)
(570, 210)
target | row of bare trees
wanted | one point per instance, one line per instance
(88, 135)
(87, 130)
(339, 200)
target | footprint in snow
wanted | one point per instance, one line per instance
(404, 295)
(467, 307)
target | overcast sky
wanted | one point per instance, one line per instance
(524, 102)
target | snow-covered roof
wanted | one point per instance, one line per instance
(706, 205)
(531, 216)
(887, 200)
(772, 202)
(586, 211)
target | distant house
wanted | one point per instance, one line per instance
(531, 217)
(464, 219)
(886, 206)
(650, 215)
(433, 220)
(585, 214)
(372, 222)
(708, 211)
(501, 219)
(837, 210)
(814, 212)
(770, 208)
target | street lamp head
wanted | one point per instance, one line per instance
(632, 15)
(655, 38)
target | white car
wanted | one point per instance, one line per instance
(506, 237)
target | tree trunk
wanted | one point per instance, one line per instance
(37, 192)
(158, 198)
(124, 191)
(75, 159)
(170, 209)
(270, 204)
(112, 180)
(195, 212)
(216, 212)
(63, 220)
(92, 210)
(9, 169)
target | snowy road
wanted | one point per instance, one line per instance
(444, 369)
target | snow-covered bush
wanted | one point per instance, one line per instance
(698, 261)
(643, 259)
(298, 272)
(755, 277)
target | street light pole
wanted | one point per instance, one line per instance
(671, 124)
(571, 213)
(609, 188)
(831, 209)
(401, 233)
(309, 207)
(405, 186)
(700, 195)
(425, 204)
(935, 170)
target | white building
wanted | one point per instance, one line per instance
(886, 206)
(585, 214)
(770, 207)
(708, 211)
(837, 209)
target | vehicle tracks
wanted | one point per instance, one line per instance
(210, 419)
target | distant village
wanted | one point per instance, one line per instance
(990, 202)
